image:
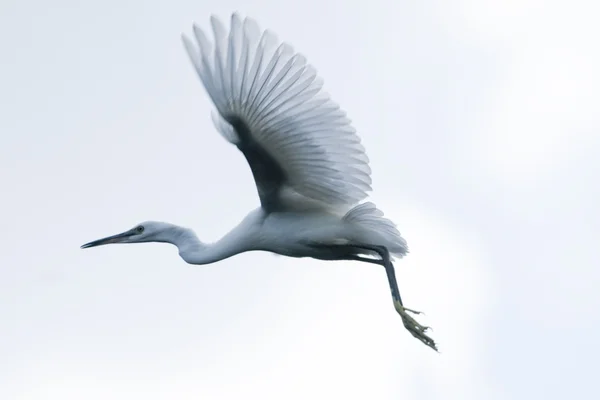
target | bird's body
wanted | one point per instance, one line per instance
(308, 234)
(310, 169)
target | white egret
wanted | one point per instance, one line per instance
(309, 166)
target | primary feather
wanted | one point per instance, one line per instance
(270, 104)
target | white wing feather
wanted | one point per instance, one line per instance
(250, 76)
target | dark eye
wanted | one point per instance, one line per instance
(139, 229)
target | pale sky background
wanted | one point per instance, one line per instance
(480, 118)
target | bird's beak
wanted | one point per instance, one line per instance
(111, 239)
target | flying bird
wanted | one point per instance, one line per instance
(311, 171)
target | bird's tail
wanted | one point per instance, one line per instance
(369, 217)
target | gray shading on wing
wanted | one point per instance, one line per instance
(270, 104)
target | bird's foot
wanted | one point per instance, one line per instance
(411, 325)
(411, 311)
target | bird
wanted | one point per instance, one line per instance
(310, 168)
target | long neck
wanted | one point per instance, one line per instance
(193, 251)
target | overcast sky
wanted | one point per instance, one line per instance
(481, 122)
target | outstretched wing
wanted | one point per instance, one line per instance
(297, 141)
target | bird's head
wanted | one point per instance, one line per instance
(150, 231)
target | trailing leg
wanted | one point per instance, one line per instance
(416, 329)
(354, 253)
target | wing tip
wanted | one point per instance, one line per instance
(185, 39)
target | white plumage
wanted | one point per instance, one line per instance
(278, 96)
(308, 163)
